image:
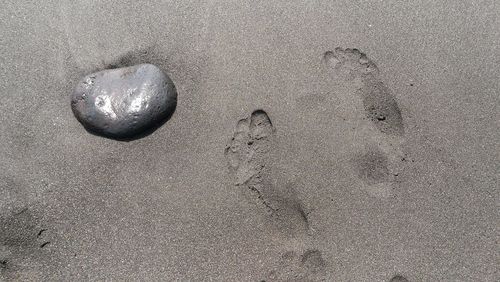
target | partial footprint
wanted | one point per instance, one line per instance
(249, 158)
(380, 106)
(399, 278)
(248, 150)
(22, 244)
(372, 166)
(309, 266)
(379, 132)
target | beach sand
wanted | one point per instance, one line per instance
(312, 141)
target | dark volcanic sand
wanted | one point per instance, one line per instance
(349, 165)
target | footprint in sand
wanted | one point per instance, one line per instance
(377, 164)
(23, 243)
(249, 157)
(379, 104)
(309, 266)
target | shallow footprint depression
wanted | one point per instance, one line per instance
(379, 104)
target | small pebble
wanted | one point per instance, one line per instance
(124, 103)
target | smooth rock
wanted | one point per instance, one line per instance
(124, 103)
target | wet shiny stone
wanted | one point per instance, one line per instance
(124, 103)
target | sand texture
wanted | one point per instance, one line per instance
(311, 141)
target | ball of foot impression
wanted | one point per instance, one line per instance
(124, 103)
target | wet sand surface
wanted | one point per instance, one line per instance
(318, 141)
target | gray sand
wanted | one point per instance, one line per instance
(359, 186)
